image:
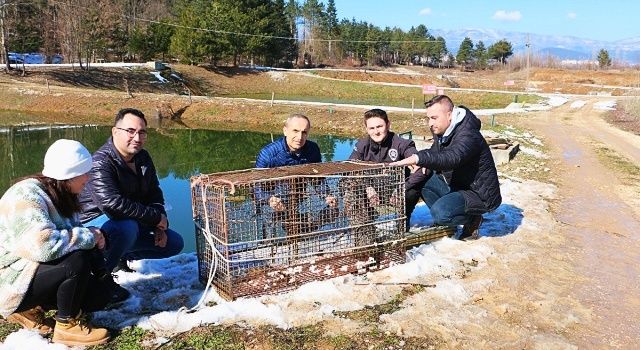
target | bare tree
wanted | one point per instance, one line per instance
(78, 28)
(3, 34)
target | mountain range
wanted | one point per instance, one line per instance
(563, 47)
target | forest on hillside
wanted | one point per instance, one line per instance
(280, 33)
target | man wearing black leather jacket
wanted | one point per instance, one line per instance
(124, 198)
(383, 146)
(463, 182)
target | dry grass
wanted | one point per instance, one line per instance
(627, 117)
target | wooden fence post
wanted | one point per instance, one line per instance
(413, 102)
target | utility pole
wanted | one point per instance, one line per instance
(528, 45)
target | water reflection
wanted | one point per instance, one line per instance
(177, 154)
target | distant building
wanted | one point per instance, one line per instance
(571, 63)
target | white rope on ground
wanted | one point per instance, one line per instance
(214, 251)
(212, 271)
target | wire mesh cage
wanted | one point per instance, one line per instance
(262, 231)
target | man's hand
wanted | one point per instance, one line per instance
(98, 236)
(331, 201)
(276, 203)
(374, 199)
(164, 223)
(412, 160)
(160, 238)
(395, 199)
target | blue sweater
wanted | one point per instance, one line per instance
(277, 154)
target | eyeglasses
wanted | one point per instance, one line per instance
(132, 132)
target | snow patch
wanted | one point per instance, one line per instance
(159, 77)
(532, 152)
(26, 339)
(163, 290)
(605, 105)
(277, 76)
(556, 101)
(577, 104)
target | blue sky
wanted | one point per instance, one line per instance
(608, 20)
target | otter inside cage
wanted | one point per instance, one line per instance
(269, 230)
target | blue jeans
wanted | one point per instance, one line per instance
(128, 239)
(447, 207)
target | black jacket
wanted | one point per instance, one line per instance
(391, 149)
(465, 161)
(114, 189)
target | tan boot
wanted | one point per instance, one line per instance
(33, 319)
(77, 331)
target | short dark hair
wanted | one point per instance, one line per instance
(442, 99)
(121, 113)
(376, 113)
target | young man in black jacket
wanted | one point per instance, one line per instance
(384, 146)
(124, 198)
(463, 181)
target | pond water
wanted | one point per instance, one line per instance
(178, 154)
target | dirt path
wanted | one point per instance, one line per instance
(600, 223)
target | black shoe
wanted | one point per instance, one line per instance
(472, 229)
(123, 265)
(117, 294)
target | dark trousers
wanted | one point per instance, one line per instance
(411, 198)
(68, 284)
(447, 207)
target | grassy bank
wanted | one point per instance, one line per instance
(307, 87)
(29, 103)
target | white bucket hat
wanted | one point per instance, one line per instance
(66, 159)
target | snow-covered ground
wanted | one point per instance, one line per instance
(163, 291)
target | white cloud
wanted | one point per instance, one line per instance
(425, 12)
(511, 16)
(572, 15)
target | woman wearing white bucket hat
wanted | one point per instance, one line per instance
(47, 259)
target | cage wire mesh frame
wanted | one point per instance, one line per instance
(325, 220)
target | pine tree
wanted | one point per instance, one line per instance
(439, 51)
(291, 12)
(465, 52)
(190, 45)
(480, 55)
(604, 60)
(500, 50)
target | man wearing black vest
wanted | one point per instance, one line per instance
(384, 146)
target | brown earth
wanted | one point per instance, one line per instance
(138, 80)
(578, 284)
(599, 219)
(625, 120)
(65, 95)
(62, 102)
(542, 79)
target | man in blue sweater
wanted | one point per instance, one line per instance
(292, 149)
